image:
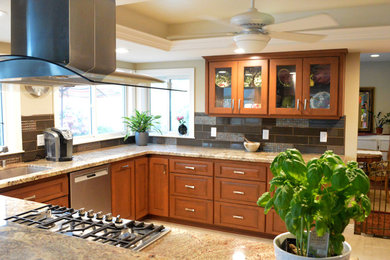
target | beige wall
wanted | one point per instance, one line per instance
(351, 99)
(199, 66)
(31, 105)
(377, 74)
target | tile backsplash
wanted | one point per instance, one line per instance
(303, 134)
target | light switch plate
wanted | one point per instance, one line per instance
(213, 132)
(265, 134)
(40, 140)
(323, 137)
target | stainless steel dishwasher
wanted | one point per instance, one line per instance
(91, 189)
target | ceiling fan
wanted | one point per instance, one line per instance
(253, 29)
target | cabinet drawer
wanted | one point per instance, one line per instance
(192, 186)
(241, 171)
(63, 201)
(191, 166)
(42, 191)
(240, 217)
(238, 191)
(122, 166)
(191, 209)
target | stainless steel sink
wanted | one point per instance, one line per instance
(19, 171)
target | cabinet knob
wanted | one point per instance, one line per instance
(304, 104)
(238, 172)
(239, 105)
(188, 209)
(232, 105)
(298, 104)
(30, 198)
(189, 167)
(125, 166)
(239, 192)
(190, 186)
(238, 217)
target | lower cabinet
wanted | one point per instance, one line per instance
(158, 186)
(274, 224)
(53, 190)
(141, 187)
(239, 216)
(196, 210)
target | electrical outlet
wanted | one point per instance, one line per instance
(40, 140)
(265, 134)
(213, 132)
(323, 137)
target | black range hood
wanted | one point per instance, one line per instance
(65, 43)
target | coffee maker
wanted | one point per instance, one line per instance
(58, 144)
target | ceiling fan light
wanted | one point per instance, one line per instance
(239, 51)
(251, 43)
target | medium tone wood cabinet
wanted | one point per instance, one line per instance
(305, 84)
(53, 191)
(158, 186)
(141, 187)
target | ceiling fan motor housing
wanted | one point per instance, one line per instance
(252, 18)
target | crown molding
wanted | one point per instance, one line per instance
(132, 35)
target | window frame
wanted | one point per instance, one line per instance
(178, 72)
(94, 137)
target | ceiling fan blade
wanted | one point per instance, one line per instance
(220, 22)
(298, 37)
(198, 36)
(311, 22)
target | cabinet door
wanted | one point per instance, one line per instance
(141, 185)
(252, 87)
(320, 86)
(274, 224)
(222, 87)
(285, 89)
(122, 180)
(158, 187)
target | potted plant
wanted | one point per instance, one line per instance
(316, 199)
(182, 127)
(141, 123)
(380, 121)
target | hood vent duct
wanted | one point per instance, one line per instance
(65, 43)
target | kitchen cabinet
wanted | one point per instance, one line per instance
(238, 87)
(122, 188)
(274, 224)
(141, 187)
(158, 186)
(54, 190)
(304, 84)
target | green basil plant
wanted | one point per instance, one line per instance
(323, 194)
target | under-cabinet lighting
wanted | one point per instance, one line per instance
(239, 50)
(374, 55)
(254, 57)
(122, 50)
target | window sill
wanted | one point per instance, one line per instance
(12, 152)
(172, 135)
(85, 140)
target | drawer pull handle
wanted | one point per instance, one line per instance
(30, 198)
(188, 209)
(125, 166)
(238, 217)
(238, 192)
(189, 167)
(190, 186)
(239, 172)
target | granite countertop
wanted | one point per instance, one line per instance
(97, 157)
(23, 242)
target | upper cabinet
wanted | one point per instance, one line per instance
(238, 87)
(306, 84)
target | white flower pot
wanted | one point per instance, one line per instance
(280, 254)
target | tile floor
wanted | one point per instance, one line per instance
(363, 247)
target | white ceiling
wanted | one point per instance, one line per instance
(364, 26)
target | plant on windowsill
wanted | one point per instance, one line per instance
(380, 121)
(182, 127)
(140, 124)
(317, 198)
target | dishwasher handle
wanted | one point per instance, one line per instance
(90, 176)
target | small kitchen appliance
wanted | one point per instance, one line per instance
(106, 229)
(58, 144)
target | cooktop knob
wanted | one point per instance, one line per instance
(108, 217)
(118, 220)
(99, 215)
(82, 211)
(90, 213)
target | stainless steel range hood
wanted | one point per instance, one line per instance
(64, 43)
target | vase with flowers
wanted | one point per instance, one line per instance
(182, 127)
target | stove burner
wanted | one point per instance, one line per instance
(92, 226)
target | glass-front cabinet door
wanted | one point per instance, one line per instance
(222, 87)
(252, 87)
(285, 97)
(320, 86)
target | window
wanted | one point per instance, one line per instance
(91, 112)
(172, 104)
(10, 118)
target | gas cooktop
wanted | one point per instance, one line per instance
(106, 229)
